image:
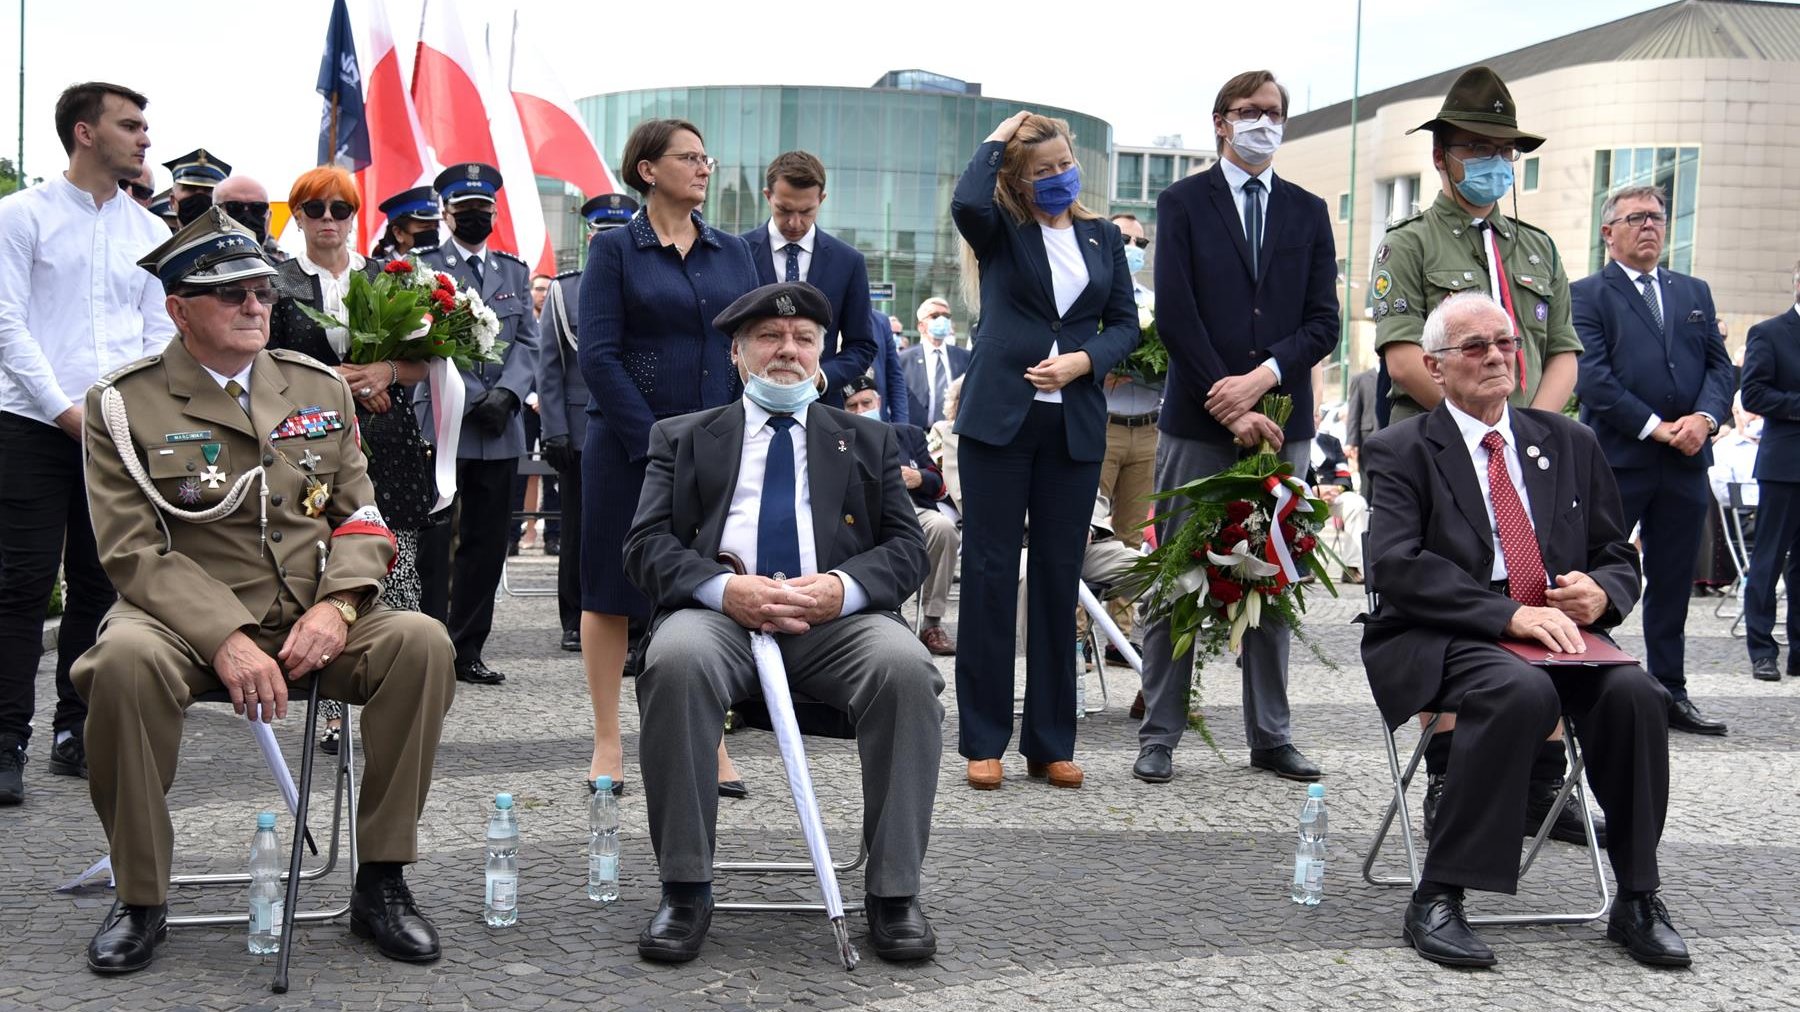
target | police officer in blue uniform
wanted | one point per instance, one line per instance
(493, 435)
(194, 175)
(412, 223)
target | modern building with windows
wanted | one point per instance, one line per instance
(1699, 97)
(892, 155)
(1141, 174)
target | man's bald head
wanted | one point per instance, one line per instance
(240, 188)
(246, 201)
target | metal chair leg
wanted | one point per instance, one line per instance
(788, 868)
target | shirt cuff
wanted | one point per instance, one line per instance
(53, 403)
(1712, 424)
(855, 597)
(712, 592)
(1650, 426)
(1274, 367)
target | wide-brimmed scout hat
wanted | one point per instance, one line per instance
(1479, 102)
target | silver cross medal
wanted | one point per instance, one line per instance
(212, 476)
(309, 460)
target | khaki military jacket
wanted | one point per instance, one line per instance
(1430, 256)
(206, 580)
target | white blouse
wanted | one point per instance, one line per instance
(333, 288)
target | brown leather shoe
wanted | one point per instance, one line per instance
(1061, 773)
(937, 640)
(985, 774)
(1137, 706)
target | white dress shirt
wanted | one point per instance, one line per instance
(333, 289)
(243, 379)
(1235, 178)
(1472, 431)
(779, 255)
(739, 536)
(1068, 277)
(74, 304)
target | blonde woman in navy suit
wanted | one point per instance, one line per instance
(1056, 315)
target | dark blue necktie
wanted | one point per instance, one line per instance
(777, 531)
(792, 250)
(475, 269)
(1253, 221)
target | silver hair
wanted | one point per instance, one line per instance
(1437, 325)
(1624, 193)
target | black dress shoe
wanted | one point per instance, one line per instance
(898, 930)
(678, 929)
(734, 789)
(552, 546)
(1284, 761)
(127, 939)
(1437, 928)
(1641, 925)
(68, 758)
(383, 909)
(478, 673)
(1685, 716)
(12, 771)
(1540, 795)
(328, 742)
(1765, 669)
(1434, 796)
(1155, 765)
(571, 640)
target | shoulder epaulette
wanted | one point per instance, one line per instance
(566, 275)
(1402, 222)
(509, 256)
(125, 370)
(301, 358)
(1527, 226)
(417, 251)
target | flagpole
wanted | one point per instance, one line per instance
(1350, 265)
(334, 126)
(19, 167)
(412, 87)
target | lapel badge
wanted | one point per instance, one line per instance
(1093, 241)
(309, 460)
(1543, 463)
(848, 519)
(188, 491)
(842, 448)
(213, 476)
(1532, 451)
(1534, 260)
(317, 495)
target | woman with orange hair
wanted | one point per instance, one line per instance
(324, 202)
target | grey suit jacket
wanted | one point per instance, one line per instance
(863, 519)
(506, 288)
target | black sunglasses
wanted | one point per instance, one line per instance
(1138, 241)
(232, 295)
(138, 190)
(246, 212)
(315, 209)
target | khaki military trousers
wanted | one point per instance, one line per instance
(139, 679)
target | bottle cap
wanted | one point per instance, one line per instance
(265, 820)
(1315, 790)
(603, 784)
(503, 801)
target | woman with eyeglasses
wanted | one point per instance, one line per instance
(648, 351)
(325, 202)
(1054, 291)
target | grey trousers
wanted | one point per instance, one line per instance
(1265, 656)
(942, 544)
(871, 666)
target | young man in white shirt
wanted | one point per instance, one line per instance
(73, 308)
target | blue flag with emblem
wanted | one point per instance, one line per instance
(343, 130)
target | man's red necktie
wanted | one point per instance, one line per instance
(1524, 565)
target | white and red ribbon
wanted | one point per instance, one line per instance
(1289, 499)
(447, 395)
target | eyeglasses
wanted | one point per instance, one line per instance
(1140, 243)
(1478, 348)
(246, 211)
(1250, 114)
(232, 295)
(695, 160)
(138, 190)
(315, 209)
(1638, 219)
(1484, 149)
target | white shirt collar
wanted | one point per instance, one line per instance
(1634, 274)
(464, 250)
(777, 240)
(81, 196)
(1236, 177)
(1473, 429)
(221, 379)
(306, 264)
(756, 416)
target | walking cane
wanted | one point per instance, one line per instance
(280, 985)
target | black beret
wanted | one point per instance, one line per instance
(860, 382)
(789, 298)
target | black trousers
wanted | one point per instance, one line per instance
(568, 562)
(1001, 484)
(467, 582)
(1671, 501)
(1774, 551)
(44, 522)
(1504, 708)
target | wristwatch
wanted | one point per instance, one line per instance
(344, 608)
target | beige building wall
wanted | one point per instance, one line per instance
(1743, 115)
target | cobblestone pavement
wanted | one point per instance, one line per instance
(1118, 895)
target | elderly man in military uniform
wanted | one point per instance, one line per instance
(1463, 243)
(493, 434)
(232, 509)
(195, 174)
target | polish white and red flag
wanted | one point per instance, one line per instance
(559, 142)
(397, 156)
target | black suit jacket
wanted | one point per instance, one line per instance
(863, 520)
(1431, 548)
(915, 452)
(1218, 319)
(1772, 390)
(838, 270)
(918, 380)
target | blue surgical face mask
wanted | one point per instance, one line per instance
(939, 327)
(1054, 194)
(1134, 257)
(781, 398)
(1485, 180)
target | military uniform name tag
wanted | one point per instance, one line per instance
(187, 437)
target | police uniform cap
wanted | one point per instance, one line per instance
(1479, 102)
(468, 181)
(859, 383)
(786, 298)
(198, 167)
(161, 206)
(419, 202)
(210, 250)
(609, 210)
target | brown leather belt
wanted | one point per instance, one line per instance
(1134, 421)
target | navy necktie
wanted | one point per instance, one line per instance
(792, 250)
(1648, 285)
(777, 530)
(1253, 221)
(475, 268)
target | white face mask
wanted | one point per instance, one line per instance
(1256, 141)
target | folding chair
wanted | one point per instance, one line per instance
(1737, 546)
(530, 465)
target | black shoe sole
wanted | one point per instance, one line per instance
(1709, 732)
(1305, 778)
(478, 679)
(1149, 778)
(733, 789)
(1460, 962)
(162, 935)
(360, 928)
(1648, 959)
(658, 954)
(911, 952)
(66, 769)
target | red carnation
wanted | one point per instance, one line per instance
(397, 267)
(1239, 511)
(445, 281)
(444, 299)
(1226, 592)
(1307, 543)
(1233, 534)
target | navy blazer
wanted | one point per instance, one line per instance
(915, 452)
(1772, 390)
(918, 384)
(1631, 370)
(1219, 320)
(890, 382)
(1019, 320)
(838, 270)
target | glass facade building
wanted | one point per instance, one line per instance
(892, 157)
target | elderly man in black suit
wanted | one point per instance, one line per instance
(1499, 523)
(810, 498)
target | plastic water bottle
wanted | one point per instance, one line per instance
(1084, 651)
(603, 843)
(1309, 850)
(266, 894)
(501, 906)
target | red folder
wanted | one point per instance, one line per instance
(1599, 652)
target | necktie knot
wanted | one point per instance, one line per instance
(234, 388)
(1253, 185)
(1493, 442)
(781, 423)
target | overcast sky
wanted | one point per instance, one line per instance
(237, 77)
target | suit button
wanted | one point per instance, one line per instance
(1056, 326)
(277, 499)
(1255, 312)
(268, 458)
(190, 465)
(275, 536)
(281, 571)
